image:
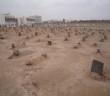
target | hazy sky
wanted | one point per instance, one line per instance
(58, 9)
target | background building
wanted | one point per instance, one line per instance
(29, 21)
(8, 20)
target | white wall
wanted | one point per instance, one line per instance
(11, 24)
(38, 19)
(2, 19)
(21, 21)
(7, 23)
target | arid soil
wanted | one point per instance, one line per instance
(62, 68)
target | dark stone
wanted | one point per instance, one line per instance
(97, 67)
(76, 33)
(19, 34)
(66, 39)
(23, 43)
(44, 55)
(84, 39)
(13, 46)
(36, 34)
(79, 43)
(48, 36)
(105, 37)
(16, 53)
(98, 51)
(75, 47)
(95, 44)
(2, 37)
(102, 40)
(49, 43)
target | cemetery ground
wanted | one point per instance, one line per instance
(55, 60)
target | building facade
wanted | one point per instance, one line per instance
(8, 20)
(29, 21)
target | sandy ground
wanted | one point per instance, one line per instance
(62, 70)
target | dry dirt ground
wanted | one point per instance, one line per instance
(58, 69)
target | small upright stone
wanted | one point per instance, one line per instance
(13, 46)
(36, 34)
(16, 53)
(95, 44)
(24, 43)
(84, 39)
(98, 51)
(79, 43)
(75, 47)
(49, 42)
(19, 34)
(66, 39)
(44, 55)
(101, 40)
(105, 37)
(48, 36)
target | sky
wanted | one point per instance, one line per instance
(58, 9)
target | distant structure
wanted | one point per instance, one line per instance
(29, 21)
(63, 20)
(8, 20)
